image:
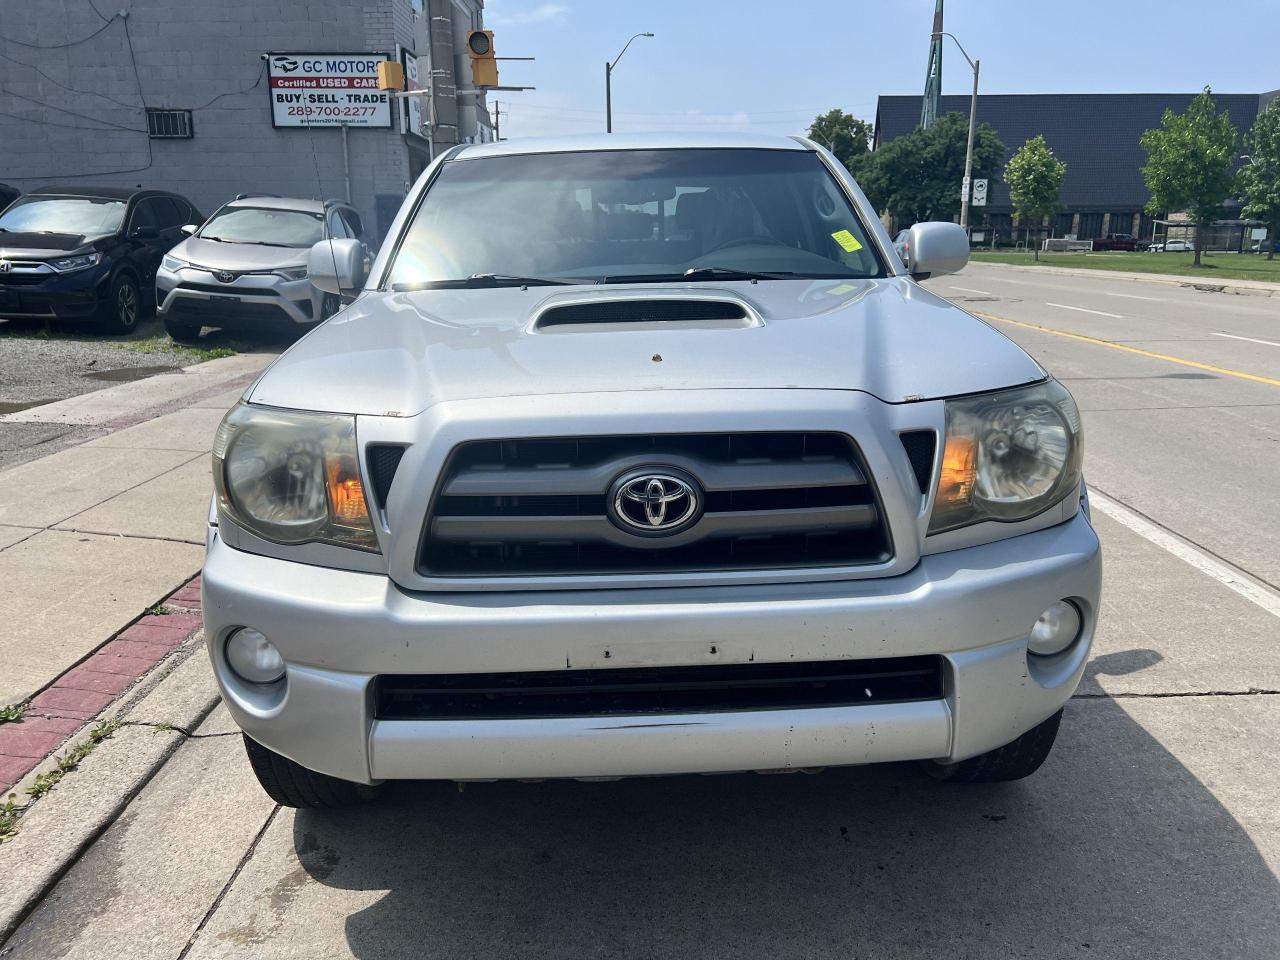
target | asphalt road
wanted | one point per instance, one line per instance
(1150, 832)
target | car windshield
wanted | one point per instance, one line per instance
(282, 228)
(78, 216)
(634, 216)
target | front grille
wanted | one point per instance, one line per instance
(25, 278)
(230, 290)
(542, 506)
(215, 311)
(657, 690)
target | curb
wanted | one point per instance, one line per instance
(1243, 288)
(64, 708)
(55, 831)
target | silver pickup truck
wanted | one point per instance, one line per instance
(645, 455)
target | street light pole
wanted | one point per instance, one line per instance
(608, 88)
(967, 190)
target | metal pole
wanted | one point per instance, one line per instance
(497, 121)
(608, 100)
(968, 151)
(346, 162)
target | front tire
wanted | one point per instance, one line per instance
(182, 331)
(1013, 761)
(122, 309)
(293, 785)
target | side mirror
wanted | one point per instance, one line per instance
(190, 228)
(336, 266)
(937, 249)
(144, 233)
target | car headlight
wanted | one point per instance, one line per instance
(173, 263)
(1008, 456)
(68, 264)
(292, 273)
(292, 477)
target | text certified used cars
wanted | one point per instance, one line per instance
(86, 253)
(645, 455)
(246, 268)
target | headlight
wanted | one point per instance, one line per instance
(292, 273)
(292, 477)
(173, 263)
(68, 264)
(1008, 456)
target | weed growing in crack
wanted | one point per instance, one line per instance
(9, 812)
(12, 713)
(66, 762)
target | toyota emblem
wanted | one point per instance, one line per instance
(652, 503)
(226, 276)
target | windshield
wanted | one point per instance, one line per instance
(632, 216)
(77, 216)
(281, 228)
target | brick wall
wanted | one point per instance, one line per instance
(75, 112)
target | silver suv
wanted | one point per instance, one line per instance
(645, 455)
(245, 269)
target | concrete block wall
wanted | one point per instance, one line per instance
(72, 105)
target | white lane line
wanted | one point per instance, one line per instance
(1258, 593)
(1131, 296)
(1100, 313)
(985, 293)
(1232, 336)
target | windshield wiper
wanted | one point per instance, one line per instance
(483, 280)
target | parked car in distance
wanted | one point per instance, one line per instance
(87, 253)
(1173, 246)
(245, 269)
(645, 455)
(1116, 241)
(8, 194)
(902, 245)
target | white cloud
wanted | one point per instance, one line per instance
(539, 14)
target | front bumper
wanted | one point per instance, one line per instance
(252, 301)
(337, 630)
(62, 296)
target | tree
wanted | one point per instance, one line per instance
(1190, 159)
(1259, 180)
(1034, 176)
(843, 134)
(918, 176)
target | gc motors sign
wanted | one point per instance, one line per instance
(327, 89)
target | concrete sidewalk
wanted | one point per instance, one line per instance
(94, 534)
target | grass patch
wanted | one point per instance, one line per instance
(12, 713)
(159, 610)
(1214, 266)
(9, 813)
(66, 762)
(163, 345)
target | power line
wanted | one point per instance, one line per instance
(56, 82)
(59, 46)
(82, 116)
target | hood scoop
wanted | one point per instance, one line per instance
(649, 313)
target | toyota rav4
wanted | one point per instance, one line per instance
(645, 455)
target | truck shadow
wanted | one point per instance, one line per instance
(1114, 849)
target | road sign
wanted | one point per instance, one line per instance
(327, 89)
(980, 193)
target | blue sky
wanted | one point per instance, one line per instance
(770, 67)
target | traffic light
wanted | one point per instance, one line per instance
(484, 67)
(390, 75)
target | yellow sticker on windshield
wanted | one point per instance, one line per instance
(848, 242)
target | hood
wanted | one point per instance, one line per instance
(240, 257)
(40, 246)
(397, 354)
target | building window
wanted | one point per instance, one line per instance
(169, 124)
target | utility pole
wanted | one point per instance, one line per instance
(966, 189)
(933, 74)
(608, 87)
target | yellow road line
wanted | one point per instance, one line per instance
(1128, 349)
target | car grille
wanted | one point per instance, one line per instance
(25, 278)
(542, 506)
(215, 311)
(230, 290)
(657, 690)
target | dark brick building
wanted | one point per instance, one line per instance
(1095, 134)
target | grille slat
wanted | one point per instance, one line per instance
(657, 690)
(541, 506)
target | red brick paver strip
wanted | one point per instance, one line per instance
(83, 691)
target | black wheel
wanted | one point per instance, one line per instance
(122, 309)
(182, 331)
(292, 785)
(1013, 761)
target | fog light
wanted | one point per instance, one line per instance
(1055, 629)
(253, 657)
